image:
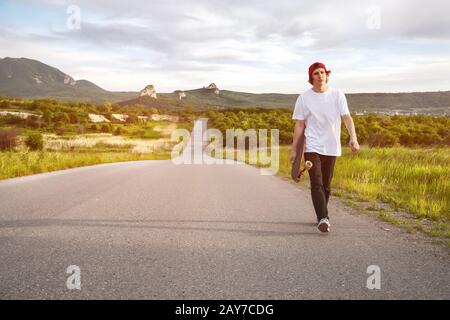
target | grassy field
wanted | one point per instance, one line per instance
(405, 186)
(69, 151)
(21, 163)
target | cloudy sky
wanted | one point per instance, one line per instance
(252, 45)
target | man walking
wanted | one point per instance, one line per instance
(318, 111)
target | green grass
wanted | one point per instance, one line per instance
(21, 163)
(417, 180)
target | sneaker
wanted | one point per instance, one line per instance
(324, 225)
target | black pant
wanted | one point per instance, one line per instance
(320, 176)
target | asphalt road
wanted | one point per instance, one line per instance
(156, 230)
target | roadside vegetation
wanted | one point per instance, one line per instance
(45, 135)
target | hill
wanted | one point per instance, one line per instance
(27, 78)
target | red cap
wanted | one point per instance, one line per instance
(315, 66)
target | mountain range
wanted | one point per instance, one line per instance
(27, 78)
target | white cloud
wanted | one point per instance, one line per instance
(254, 46)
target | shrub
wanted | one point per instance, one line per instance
(73, 117)
(33, 122)
(35, 141)
(59, 128)
(60, 117)
(8, 138)
(47, 117)
(80, 129)
(382, 138)
(5, 104)
(13, 119)
(132, 119)
(139, 133)
(118, 131)
(106, 128)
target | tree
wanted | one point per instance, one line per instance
(73, 118)
(47, 117)
(105, 108)
(61, 117)
(382, 138)
(132, 119)
(115, 108)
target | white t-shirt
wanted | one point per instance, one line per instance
(322, 114)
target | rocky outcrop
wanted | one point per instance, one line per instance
(148, 91)
(168, 117)
(97, 118)
(69, 80)
(37, 78)
(119, 117)
(180, 94)
(212, 87)
(21, 115)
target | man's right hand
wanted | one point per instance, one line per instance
(293, 156)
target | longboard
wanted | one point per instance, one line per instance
(296, 173)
